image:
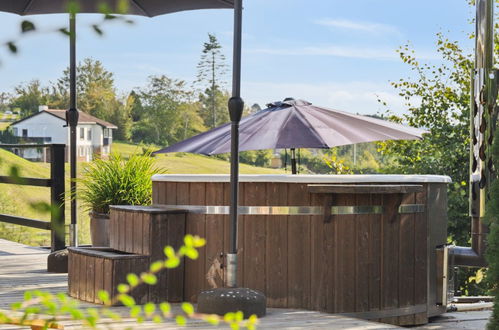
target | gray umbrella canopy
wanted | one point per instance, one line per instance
(296, 124)
(137, 7)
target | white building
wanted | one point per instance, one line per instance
(94, 136)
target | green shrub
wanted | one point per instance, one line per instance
(117, 181)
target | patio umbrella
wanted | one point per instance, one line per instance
(148, 8)
(296, 124)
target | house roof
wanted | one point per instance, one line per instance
(84, 118)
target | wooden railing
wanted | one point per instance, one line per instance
(57, 194)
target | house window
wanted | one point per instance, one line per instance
(82, 133)
(89, 134)
(25, 132)
(82, 151)
(106, 132)
(14, 131)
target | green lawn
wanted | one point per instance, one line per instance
(184, 163)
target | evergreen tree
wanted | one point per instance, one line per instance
(211, 69)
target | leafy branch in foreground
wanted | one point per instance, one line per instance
(46, 310)
(108, 15)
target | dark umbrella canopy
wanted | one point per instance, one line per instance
(137, 7)
(296, 124)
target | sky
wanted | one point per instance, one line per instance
(336, 54)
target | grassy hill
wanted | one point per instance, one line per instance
(184, 163)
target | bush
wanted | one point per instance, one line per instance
(117, 182)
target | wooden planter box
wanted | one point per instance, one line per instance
(138, 236)
(93, 269)
(146, 230)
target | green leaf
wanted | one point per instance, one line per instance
(156, 266)
(189, 240)
(188, 308)
(126, 300)
(180, 320)
(65, 32)
(172, 263)
(165, 308)
(150, 279)
(190, 253)
(123, 288)
(103, 296)
(157, 319)
(212, 319)
(73, 7)
(12, 47)
(27, 26)
(16, 306)
(132, 279)
(135, 311)
(169, 252)
(97, 29)
(199, 242)
(149, 309)
(28, 295)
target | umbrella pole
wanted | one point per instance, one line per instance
(236, 106)
(72, 121)
(224, 300)
(293, 161)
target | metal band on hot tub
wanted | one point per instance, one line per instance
(297, 210)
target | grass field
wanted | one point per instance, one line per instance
(184, 163)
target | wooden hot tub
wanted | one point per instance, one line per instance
(359, 245)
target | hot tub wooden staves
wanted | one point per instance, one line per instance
(363, 246)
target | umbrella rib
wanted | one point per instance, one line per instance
(227, 2)
(319, 137)
(27, 6)
(142, 9)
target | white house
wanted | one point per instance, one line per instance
(94, 136)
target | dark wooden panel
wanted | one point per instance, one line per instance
(169, 194)
(322, 259)
(363, 189)
(82, 280)
(254, 238)
(108, 277)
(195, 225)
(90, 288)
(175, 277)
(214, 234)
(420, 258)
(112, 230)
(155, 191)
(345, 257)
(276, 245)
(375, 255)
(129, 226)
(298, 250)
(138, 232)
(122, 231)
(390, 254)
(99, 278)
(363, 237)
(141, 293)
(406, 261)
(146, 230)
(72, 274)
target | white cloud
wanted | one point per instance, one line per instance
(355, 96)
(365, 27)
(378, 53)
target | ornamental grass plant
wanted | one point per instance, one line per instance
(117, 181)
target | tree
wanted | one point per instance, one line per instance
(29, 96)
(96, 93)
(163, 121)
(4, 101)
(211, 69)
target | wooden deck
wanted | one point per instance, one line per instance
(24, 268)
